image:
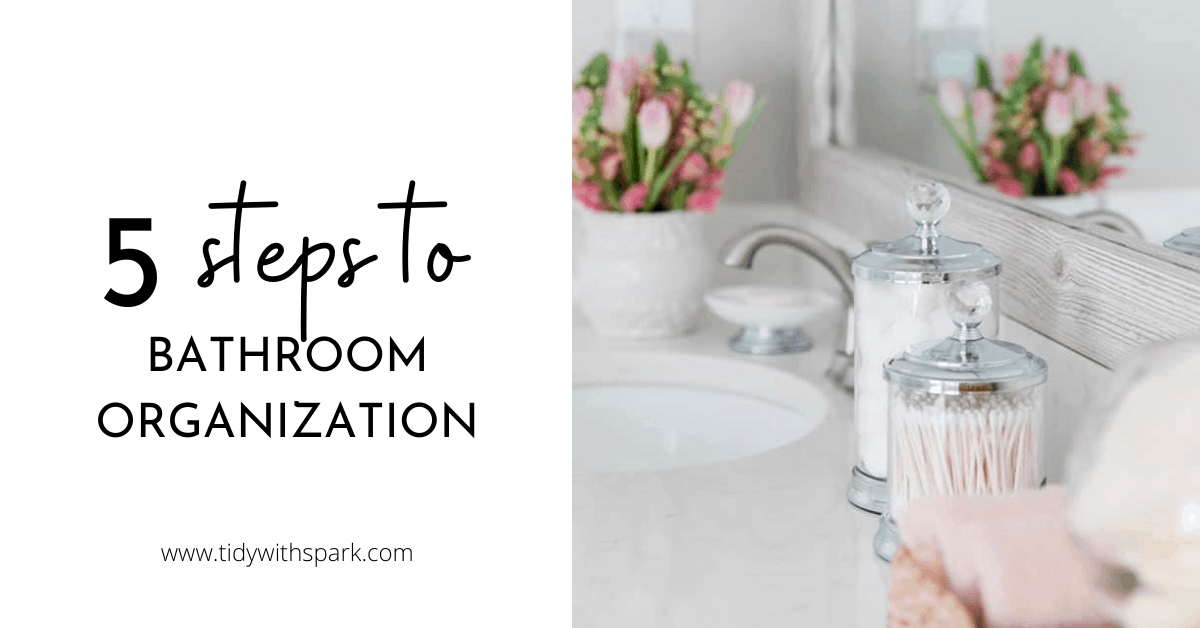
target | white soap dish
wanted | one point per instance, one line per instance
(770, 316)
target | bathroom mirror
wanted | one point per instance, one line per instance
(1145, 47)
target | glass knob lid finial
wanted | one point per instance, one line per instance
(968, 304)
(928, 202)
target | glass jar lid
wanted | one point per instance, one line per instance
(966, 362)
(926, 256)
(1187, 241)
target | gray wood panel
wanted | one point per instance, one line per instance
(1099, 293)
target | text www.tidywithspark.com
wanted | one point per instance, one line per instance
(248, 556)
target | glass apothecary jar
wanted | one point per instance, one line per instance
(965, 415)
(900, 293)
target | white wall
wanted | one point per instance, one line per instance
(751, 40)
(1149, 46)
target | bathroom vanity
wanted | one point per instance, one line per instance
(766, 539)
(760, 532)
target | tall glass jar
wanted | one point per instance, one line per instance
(965, 416)
(900, 292)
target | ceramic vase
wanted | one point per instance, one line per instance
(642, 275)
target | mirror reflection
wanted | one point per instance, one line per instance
(1082, 108)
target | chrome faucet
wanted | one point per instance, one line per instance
(1112, 220)
(739, 251)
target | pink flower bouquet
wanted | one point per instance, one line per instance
(1049, 132)
(647, 138)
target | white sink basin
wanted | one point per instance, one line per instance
(645, 411)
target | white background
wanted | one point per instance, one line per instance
(155, 110)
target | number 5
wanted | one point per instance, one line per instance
(116, 254)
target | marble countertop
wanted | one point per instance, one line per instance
(765, 541)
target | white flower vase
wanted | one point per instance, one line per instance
(642, 275)
(1072, 204)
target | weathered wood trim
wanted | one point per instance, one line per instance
(815, 81)
(1100, 293)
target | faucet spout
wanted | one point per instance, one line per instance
(739, 252)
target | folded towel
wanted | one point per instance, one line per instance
(1009, 560)
(920, 595)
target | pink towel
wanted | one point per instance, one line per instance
(1010, 560)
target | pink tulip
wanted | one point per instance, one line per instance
(1012, 67)
(1089, 98)
(623, 73)
(1092, 151)
(950, 99)
(704, 200)
(693, 167)
(582, 168)
(1028, 159)
(996, 169)
(1106, 173)
(1096, 100)
(589, 195)
(1058, 69)
(1009, 187)
(722, 152)
(610, 163)
(671, 101)
(654, 124)
(716, 111)
(983, 108)
(1112, 171)
(1078, 88)
(738, 101)
(1069, 181)
(581, 101)
(994, 147)
(713, 178)
(685, 136)
(615, 109)
(634, 197)
(1037, 97)
(1057, 117)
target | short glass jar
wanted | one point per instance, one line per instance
(900, 292)
(965, 416)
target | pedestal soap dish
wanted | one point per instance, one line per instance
(770, 316)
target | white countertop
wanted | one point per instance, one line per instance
(763, 541)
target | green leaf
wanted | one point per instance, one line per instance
(589, 126)
(1075, 64)
(983, 74)
(744, 130)
(610, 194)
(679, 195)
(1043, 143)
(1035, 49)
(660, 180)
(1116, 109)
(1051, 149)
(687, 73)
(972, 135)
(661, 56)
(631, 145)
(595, 73)
(1027, 182)
(969, 153)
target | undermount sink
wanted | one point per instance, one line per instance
(644, 411)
